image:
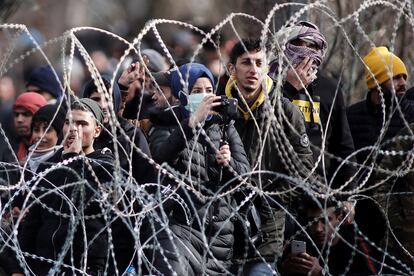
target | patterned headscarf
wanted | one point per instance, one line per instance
(307, 32)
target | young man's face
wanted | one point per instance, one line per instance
(49, 139)
(101, 101)
(22, 122)
(248, 71)
(90, 129)
(322, 230)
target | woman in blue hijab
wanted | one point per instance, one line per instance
(209, 157)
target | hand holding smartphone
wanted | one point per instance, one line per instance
(298, 247)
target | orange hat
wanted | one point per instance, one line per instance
(31, 101)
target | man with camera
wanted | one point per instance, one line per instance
(274, 137)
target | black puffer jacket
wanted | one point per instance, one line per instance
(164, 122)
(68, 197)
(196, 160)
(366, 120)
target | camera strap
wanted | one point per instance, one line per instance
(256, 218)
(256, 237)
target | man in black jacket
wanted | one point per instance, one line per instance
(274, 137)
(65, 225)
(375, 121)
(131, 141)
(338, 245)
(320, 101)
(133, 155)
(366, 118)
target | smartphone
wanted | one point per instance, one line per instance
(298, 247)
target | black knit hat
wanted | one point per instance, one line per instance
(44, 78)
(47, 114)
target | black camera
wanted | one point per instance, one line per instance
(227, 108)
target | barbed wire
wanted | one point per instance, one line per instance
(143, 207)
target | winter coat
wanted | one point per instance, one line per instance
(338, 141)
(366, 120)
(142, 171)
(196, 161)
(10, 170)
(48, 227)
(284, 149)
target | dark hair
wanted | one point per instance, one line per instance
(241, 47)
(91, 87)
(46, 113)
(316, 204)
(77, 105)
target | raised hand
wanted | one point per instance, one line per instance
(73, 142)
(134, 72)
(301, 75)
(204, 109)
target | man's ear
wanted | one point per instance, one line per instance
(97, 131)
(232, 69)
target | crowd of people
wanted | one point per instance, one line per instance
(176, 170)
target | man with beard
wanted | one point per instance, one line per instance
(386, 77)
(132, 147)
(386, 109)
(142, 171)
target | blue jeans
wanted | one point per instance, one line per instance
(259, 269)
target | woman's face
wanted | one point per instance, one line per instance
(202, 85)
(49, 139)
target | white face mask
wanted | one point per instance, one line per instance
(194, 101)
